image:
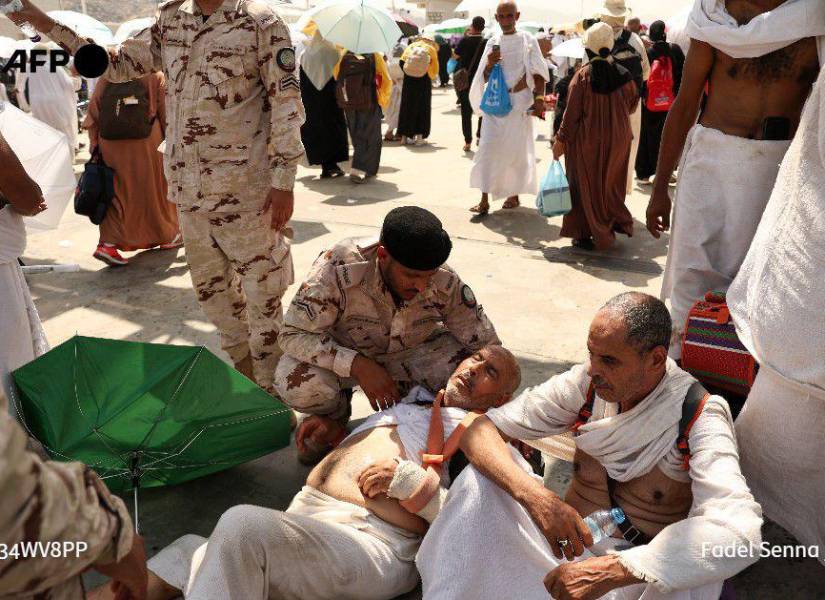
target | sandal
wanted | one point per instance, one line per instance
(481, 209)
(511, 203)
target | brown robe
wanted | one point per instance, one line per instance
(596, 131)
(140, 216)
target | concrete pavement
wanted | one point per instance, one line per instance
(539, 292)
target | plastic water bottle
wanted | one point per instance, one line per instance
(11, 6)
(603, 523)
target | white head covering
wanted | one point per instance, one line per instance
(318, 60)
(598, 36)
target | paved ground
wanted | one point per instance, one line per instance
(539, 292)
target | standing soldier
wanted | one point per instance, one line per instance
(232, 146)
(384, 315)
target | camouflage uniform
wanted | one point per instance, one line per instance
(344, 309)
(49, 501)
(234, 117)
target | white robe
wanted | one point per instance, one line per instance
(53, 100)
(724, 184)
(479, 515)
(20, 329)
(505, 163)
(777, 302)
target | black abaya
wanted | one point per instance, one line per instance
(324, 133)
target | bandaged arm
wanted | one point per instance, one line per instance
(419, 490)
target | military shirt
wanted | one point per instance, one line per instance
(344, 308)
(53, 502)
(233, 100)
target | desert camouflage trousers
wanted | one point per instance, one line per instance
(240, 270)
(311, 389)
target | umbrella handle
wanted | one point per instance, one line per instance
(137, 529)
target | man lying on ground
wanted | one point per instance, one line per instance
(686, 504)
(335, 541)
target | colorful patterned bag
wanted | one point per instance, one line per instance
(712, 351)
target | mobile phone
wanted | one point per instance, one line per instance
(776, 128)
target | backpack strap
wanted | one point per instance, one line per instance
(692, 407)
(586, 411)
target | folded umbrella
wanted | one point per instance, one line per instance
(146, 415)
(360, 26)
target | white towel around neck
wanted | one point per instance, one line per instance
(630, 444)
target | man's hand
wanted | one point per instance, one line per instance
(558, 521)
(129, 576)
(320, 429)
(38, 19)
(282, 204)
(588, 579)
(558, 149)
(539, 106)
(377, 384)
(493, 58)
(658, 212)
(375, 479)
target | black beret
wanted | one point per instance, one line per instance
(415, 238)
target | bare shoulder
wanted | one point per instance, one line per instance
(261, 12)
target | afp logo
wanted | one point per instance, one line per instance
(90, 61)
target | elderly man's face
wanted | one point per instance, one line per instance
(485, 380)
(619, 373)
(506, 15)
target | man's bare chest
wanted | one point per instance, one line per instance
(744, 11)
(796, 63)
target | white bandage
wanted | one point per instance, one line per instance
(412, 480)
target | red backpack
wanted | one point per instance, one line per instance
(660, 95)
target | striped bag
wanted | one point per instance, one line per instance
(711, 350)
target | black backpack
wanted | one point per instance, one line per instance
(627, 56)
(355, 88)
(124, 111)
(95, 189)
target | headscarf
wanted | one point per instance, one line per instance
(605, 75)
(658, 36)
(318, 60)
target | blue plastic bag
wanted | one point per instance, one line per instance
(554, 195)
(496, 98)
(452, 65)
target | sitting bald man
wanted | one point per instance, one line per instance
(354, 529)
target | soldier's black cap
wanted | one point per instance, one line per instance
(415, 238)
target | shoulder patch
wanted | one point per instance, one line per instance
(445, 280)
(352, 274)
(286, 59)
(468, 297)
(261, 12)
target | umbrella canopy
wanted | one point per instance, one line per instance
(454, 25)
(360, 26)
(132, 28)
(84, 26)
(147, 415)
(405, 24)
(7, 46)
(572, 48)
(44, 153)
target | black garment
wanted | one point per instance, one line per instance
(365, 131)
(469, 56)
(606, 77)
(561, 102)
(415, 115)
(324, 133)
(444, 55)
(653, 123)
(467, 117)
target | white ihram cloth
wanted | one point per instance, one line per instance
(53, 100)
(479, 515)
(778, 302)
(724, 184)
(773, 30)
(319, 548)
(393, 109)
(505, 163)
(20, 329)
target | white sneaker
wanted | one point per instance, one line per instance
(356, 176)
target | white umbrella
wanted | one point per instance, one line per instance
(360, 26)
(44, 153)
(84, 26)
(132, 28)
(7, 46)
(573, 48)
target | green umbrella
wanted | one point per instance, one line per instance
(146, 415)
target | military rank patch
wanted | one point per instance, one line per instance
(289, 81)
(286, 59)
(468, 297)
